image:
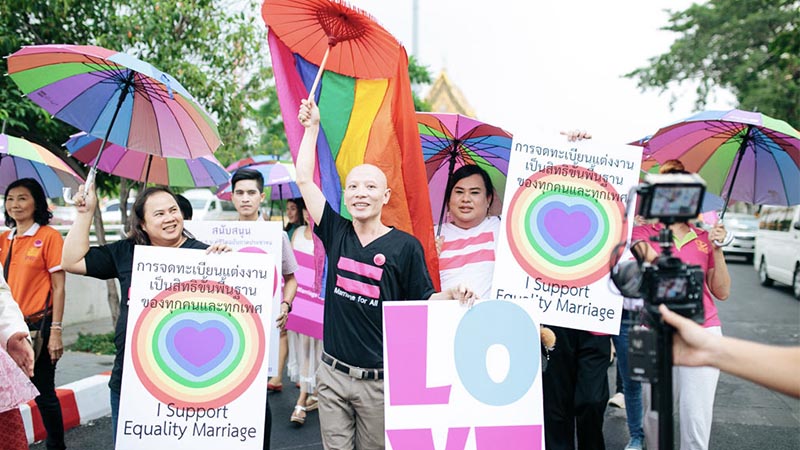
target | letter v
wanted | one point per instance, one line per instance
(422, 439)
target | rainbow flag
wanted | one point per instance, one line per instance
(362, 121)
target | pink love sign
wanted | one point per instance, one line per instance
(462, 378)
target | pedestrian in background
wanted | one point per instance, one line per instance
(304, 351)
(294, 215)
(31, 256)
(247, 193)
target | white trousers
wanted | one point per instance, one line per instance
(693, 391)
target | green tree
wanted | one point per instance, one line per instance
(215, 49)
(217, 52)
(270, 123)
(750, 47)
(419, 75)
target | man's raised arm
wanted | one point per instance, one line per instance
(312, 195)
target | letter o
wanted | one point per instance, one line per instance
(503, 323)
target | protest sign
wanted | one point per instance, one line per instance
(249, 237)
(563, 214)
(194, 373)
(462, 378)
(307, 308)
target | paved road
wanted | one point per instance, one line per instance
(746, 416)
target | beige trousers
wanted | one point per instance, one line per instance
(350, 411)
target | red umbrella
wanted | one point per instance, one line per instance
(331, 33)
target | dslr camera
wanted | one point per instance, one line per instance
(672, 198)
(669, 198)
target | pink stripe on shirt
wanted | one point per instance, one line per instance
(359, 268)
(458, 244)
(455, 262)
(358, 287)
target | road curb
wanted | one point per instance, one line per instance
(81, 401)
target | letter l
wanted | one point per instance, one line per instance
(406, 335)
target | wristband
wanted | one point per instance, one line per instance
(289, 305)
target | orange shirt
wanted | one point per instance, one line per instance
(36, 254)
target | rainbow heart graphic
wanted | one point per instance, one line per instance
(566, 240)
(562, 228)
(201, 350)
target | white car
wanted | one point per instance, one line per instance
(744, 228)
(206, 206)
(777, 253)
(111, 212)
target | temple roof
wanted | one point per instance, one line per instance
(444, 96)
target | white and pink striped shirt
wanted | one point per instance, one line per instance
(467, 256)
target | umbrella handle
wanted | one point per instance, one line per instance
(319, 73)
(66, 192)
(725, 242)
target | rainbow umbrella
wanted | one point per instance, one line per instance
(711, 202)
(20, 158)
(147, 168)
(746, 156)
(450, 141)
(116, 97)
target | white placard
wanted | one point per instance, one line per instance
(195, 352)
(563, 213)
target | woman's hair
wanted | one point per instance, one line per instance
(672, 166)
(301, 205)
(41, 213)
(467, 171)
(138, 235)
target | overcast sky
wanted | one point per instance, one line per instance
(528, 65)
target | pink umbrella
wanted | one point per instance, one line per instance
(146, 168)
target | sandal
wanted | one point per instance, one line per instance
(312, 403)
(296, 417)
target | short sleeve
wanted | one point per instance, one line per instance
(418, 280)
(54, 246)
(100, 263)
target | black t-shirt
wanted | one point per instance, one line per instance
(360, 278)
(116, 261)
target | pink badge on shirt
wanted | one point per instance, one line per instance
(379, 259)
(38, 243)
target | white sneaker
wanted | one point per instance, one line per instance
(617, 400)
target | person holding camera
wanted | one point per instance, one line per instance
(774, 367)
(694, 387)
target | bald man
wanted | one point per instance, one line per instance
(368, 262)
